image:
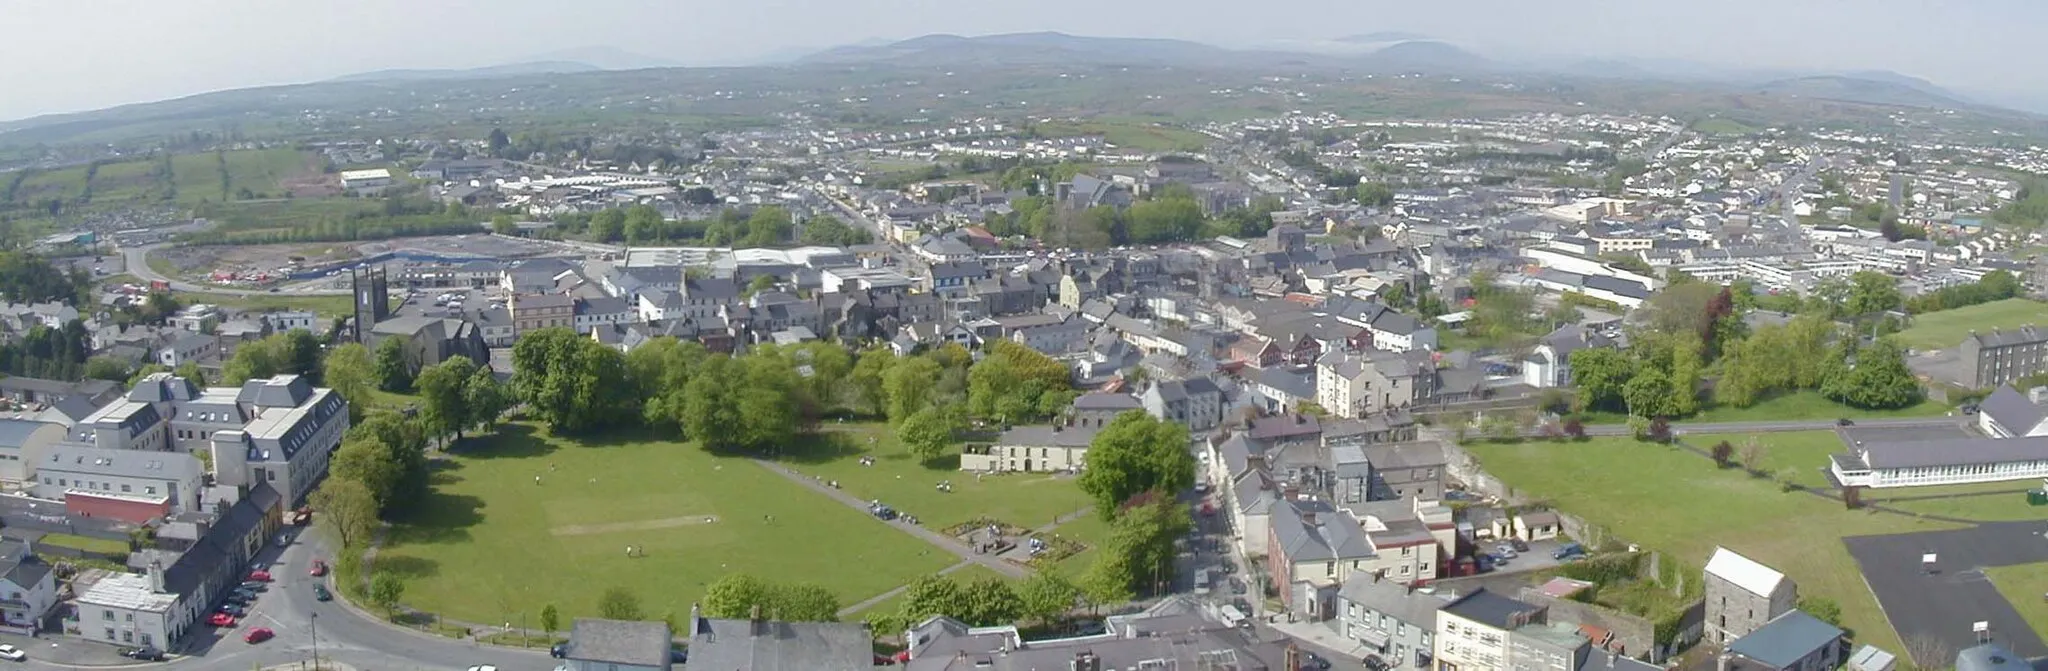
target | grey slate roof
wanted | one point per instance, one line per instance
(779, 646)
(620, 642)
(1106, 401)
(15, 432)
(1786, 639)
(1488, 608)
(1333, 536)
(1991, 657)
(1953, 452)
(2012, 410)
(1048, 436)
(1393, 599)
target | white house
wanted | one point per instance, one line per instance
(130, 609)
(1549, 363)
(28, 586)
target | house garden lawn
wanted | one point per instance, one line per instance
(2026, 586)
(1679, 503)
(88, 544)
(1947, 328)
(491, 545)
(1027, 500)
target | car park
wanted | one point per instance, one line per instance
(258, 635)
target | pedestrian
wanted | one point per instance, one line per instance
(629, 551)
(536, 479)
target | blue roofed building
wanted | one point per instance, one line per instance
(1794, 641)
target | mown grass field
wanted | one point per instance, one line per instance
(1027, 500)
(1681, 504)
(491, 545)
(1947, 328)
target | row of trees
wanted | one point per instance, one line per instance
(1171, 214)
(1044, 597)
(737, 595)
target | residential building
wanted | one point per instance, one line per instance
(532, 312)
(1474, 631)
(618, 645)
(199, 556)
(1174, 634)
(1549, 363)
(2003, 357)
(1032, 449)
(1743, 595)
(23, 443)
(37, 391)
(1792, 641)
(1393, 621)
(365, 181)
(130, 609)
(594, 312)
(188, 348)
(1095, 410)
(286, 320)
(1407, 470)
(1195, 403)
(760, 644)
(28, 588)
(293, 429)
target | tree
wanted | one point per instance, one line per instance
(1141, 544)
(444, 407)
(608, 225)
(735, 596)
(1046, 596)
(371, 463)
(1685, 375)
(573, 383)
(1878, 378)
(1871, 292)
(865, 381)
(106, 368)
(347, 509)
(928, 433)
(1648, 393)
(804, 602)
(699, 195)
(386, 589)
(618, 603)
(1822, 608)
(991, 601)
(1659, 430)
(1752, 454)
(1374, 194)
(350, 372)
(930, 595)
(1852, 497)
(1133, 455)
(768, 226)
(550, 620)
(394, 372)
(1108, 581)
(1574, 427)
(1016, 383)
(504, 224)
(1601, 375)
(909, 385)
(1722, 452)
(484, 398)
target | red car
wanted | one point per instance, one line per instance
(319, 568)
(258, 635)
(259, 575)
(221, 620)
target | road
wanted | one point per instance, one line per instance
(137, 259)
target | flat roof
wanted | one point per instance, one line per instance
(127, 591)
(373, 173)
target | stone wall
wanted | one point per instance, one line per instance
(1633, 636)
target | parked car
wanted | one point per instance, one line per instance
(1505, 551)
(259, 575)
(221, 620)
(12, 653)
(1518, 544)
(232, 610)
(258, 635)
(1310, 660)
(320, 593)
(483, 667)
(144, 653)
(1374, 663)
(254, 586)
(284, 540)
(1237, 585)
(319, 568)
(559, 650)
(1569, 551)
(1844, 422)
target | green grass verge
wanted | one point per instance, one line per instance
(1947, 328)
(1800, 456)
(99, 545)
(2026, 586)
(491, 545)
(327, 307)
(1679, 503)
(1028, 500)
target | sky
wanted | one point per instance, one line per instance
(70, 55)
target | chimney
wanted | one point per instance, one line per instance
(1290, 491)
(696, 616)
(755, 624)
(1722, 661)
(156, 575)
(1610, 659)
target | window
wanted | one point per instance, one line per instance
(128, 616)
(146, 641)
(127, 637)
(110, 633)
(124, 489)
(149, 490)
(107, 615)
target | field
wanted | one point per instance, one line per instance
(1722, 126)
(1130, 135)
(1805, 404)
(491, 545)
(327, 307)
(1679, 503)
(1802, 455)
(2026, 586)
(1990, 501)
(1028, 500)
(265, 173)
(1947, 328)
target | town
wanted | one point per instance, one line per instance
(1017, 388)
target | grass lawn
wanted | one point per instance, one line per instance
(100, 545)
(1798, 405)
(1988, 502)
(2026, 586)
(327, 307)
(1131, 135)
(1679, 503)
(1947, 328)
(1801, 453)
(1028, 500)
(490, 545)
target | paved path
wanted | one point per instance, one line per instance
(942, 541)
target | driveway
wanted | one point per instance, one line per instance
(1943, 603)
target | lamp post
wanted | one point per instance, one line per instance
(315, 619)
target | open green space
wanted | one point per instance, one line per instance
(492, 545)
(327, 307)
(1678, 502)
(1805, 404)
(1722, 126)
(89, 544)
(1800, 456)
(2026, 586)
(1129, 135)
(1028, 500)
(1987, 502)
(1947, 328)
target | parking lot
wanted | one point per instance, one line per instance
(1941, 603)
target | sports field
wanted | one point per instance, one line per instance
(492, 545)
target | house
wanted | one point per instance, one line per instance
(1549, 363)
(1391, 620)
(28, 585)
(1096, 410)
(760, 644)
(1476, 631)
(1743, 595)
(1032, 449)
(532, 312)
(2006, 413)
(36, 391)
(2003, 357)
(1174, 634)
(199, 556)
(286, 320)
(618, 645)
(1195, 403)
(1311, 549)
(1408, 470)
(22, 446)
(188, 348)
(594, 312)
(1792, 641)
(1354, 385)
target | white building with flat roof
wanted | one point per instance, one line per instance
(365, 181)
(130, 609)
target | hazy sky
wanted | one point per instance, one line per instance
(66, 55)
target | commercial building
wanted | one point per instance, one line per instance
(279, 430)
(365, 181)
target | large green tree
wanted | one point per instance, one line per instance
(444, 408)
(1875, 377)
(350, 371)
(1046, 596)
(394, 368)
(573, 383)
(1136, 454)
(1601, 374)
(928, 433)
(1015, 383)
(910, 385)
(347, 510)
